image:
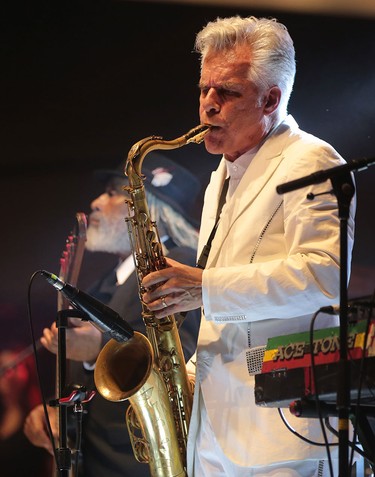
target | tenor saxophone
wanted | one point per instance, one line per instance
(150, 371)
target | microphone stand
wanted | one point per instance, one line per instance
(63, 452)
(343, 188)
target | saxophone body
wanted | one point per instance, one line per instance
(150, 371)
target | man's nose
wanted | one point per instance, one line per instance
(96, 203)
(210, 102)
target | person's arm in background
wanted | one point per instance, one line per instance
(35, 427)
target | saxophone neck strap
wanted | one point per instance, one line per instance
(206, 249)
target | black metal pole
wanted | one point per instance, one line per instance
(64, 460)
(344, 189)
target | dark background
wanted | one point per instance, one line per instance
(82, 81)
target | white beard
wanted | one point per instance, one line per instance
(111, 235)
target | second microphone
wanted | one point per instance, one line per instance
(104, 318)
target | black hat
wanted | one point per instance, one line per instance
(167, 180)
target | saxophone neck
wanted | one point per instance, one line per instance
(140, 149)
(136, 155)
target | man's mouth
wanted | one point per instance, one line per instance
(94, 222)
(213, 127)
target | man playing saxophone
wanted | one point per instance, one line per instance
(273, 262)
(106, 448)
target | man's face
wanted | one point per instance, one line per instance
(107, 230)
(231, 103)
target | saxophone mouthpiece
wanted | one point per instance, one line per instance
(197, 134)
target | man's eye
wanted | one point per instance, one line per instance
(227, 92)
(112, 192)
(222, 92)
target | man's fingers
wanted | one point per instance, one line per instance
(154, 278)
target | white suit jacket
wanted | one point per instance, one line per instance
(274, 261)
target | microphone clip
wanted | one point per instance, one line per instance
(62, 317)
(311, 196)
(76, 395)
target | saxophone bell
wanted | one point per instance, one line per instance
(127, 371)
(114, 382)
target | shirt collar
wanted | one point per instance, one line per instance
(237, 168)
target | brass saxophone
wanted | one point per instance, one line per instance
(150, 372)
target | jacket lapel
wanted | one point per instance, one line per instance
(251, 185)
(211, 202)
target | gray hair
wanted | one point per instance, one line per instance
(271, 50)
(177, 227)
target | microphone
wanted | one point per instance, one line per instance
(323, 175)
(104, 318)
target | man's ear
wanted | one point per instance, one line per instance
(272, 100)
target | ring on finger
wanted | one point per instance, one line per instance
(163, 302)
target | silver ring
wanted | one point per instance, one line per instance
(163, 302)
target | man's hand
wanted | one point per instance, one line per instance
(83, 340)
(35, 427)
(174, 289)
